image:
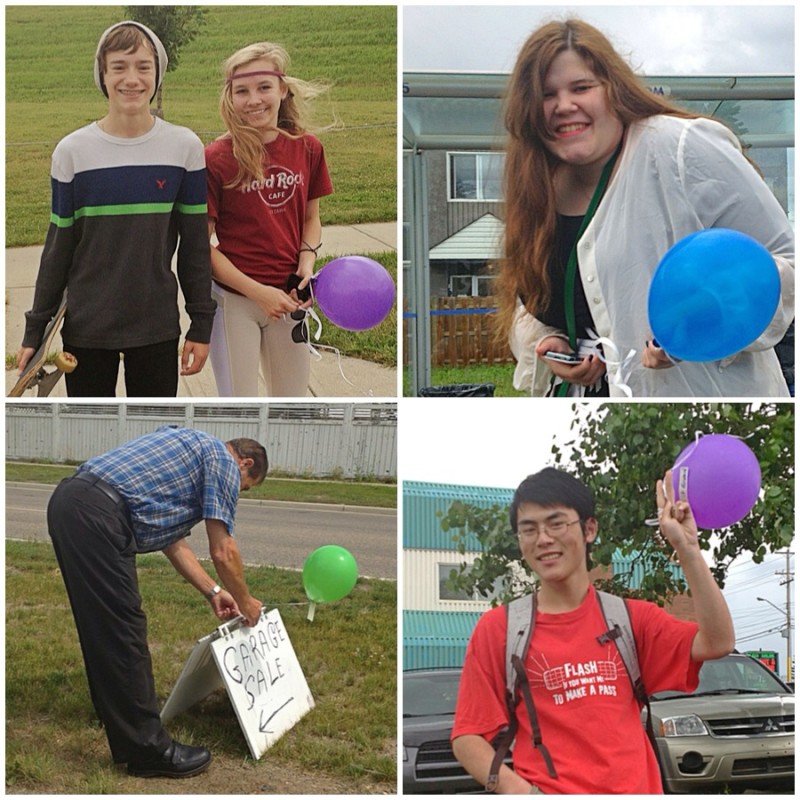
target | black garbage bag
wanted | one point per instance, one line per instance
(459, 390)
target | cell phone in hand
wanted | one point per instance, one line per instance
(563, 358)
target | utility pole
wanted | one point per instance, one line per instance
(788, 584)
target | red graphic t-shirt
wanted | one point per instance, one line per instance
(260, 226)
(589, 718)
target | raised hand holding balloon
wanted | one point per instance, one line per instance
(713, 294)
(354, 292)
(720, 478)
(329, 574)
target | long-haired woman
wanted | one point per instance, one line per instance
(602, 177)
(266, 176)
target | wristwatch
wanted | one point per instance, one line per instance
(216, 590)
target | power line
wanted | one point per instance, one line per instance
(751, 636)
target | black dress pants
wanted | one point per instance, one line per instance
(96, 550)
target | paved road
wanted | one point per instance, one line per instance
(269, 533)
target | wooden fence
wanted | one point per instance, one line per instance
(462, 333)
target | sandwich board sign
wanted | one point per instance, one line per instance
(260, 671)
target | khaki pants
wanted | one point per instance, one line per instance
(243, 339)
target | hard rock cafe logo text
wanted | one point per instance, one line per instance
(277, 188)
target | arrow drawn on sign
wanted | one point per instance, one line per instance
(262, 723)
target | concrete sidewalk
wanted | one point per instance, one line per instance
(331, 375)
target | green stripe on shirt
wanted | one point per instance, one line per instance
(200, 208)
(127, 209)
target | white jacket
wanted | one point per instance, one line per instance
(674, 177)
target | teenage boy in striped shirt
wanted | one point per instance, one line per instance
(125, 190)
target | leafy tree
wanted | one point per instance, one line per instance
(176, 26)
(619, 451)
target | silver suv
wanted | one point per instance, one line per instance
(735, 732)
(429, 705)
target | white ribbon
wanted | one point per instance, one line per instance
(304, 322)
(315, 350)
(618, 369)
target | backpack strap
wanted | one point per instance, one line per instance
(520, 621)
(620, 631)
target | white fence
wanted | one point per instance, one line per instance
(349, 440)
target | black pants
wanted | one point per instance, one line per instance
(150, 371)
(96, 551)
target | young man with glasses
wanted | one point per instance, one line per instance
(587, 712)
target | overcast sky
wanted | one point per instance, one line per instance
(656, 39)
(497, 442)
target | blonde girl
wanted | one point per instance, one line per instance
(266, 176)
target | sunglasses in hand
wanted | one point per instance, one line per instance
(294, 282)
(300, 331)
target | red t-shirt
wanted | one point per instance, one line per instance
(589, 718)
(260, 226)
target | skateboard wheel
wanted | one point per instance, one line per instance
(66, 362)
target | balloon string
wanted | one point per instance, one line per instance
(314, 350)
(316, 354)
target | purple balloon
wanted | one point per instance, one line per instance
(723, 479)
(354, 292)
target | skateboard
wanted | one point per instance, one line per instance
(36, 375)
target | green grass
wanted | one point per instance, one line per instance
(51, 92)
(501, 375)
(339, 492)
(348, 654)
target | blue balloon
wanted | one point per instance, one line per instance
(713, 293)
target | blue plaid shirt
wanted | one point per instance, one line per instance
(171, 479)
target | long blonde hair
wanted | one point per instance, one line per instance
(530, 202)
(294, 115)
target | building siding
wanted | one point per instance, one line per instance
(421, 581)
(424, 503)
(433, 640)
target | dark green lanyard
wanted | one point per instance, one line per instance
(572, 263)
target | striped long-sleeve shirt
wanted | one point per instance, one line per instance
(120, 208)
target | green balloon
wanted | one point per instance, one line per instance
(329, 574)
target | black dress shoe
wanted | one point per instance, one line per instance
(177, 761)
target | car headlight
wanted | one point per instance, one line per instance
(688, 725)
(405, 753)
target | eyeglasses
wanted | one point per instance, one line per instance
(300, 331)
(557, 528)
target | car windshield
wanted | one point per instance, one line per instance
(732, 675)
(430, 694)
